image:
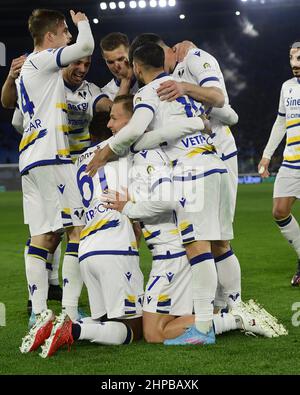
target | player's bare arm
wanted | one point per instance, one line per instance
(9, 91)
(211, 96)
(181, 49)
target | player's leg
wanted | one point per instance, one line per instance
(54, 291)
(72, 281)
(289, 228)
(229, 272)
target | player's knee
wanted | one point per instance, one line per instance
(153, 336)
(280, 212)
(220, 247)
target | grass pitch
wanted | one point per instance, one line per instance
(267, 262)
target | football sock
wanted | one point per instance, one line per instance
(72, 281)
(224, 322)
(53, 275)
(204, 284)
(229, 277)
(109, 332)
(290, 230)
(37, 277)
(25, 260)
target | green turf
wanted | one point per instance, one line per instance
(267, 262)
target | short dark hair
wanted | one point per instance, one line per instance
(295, 44)
(150, 55)
(127, 101)
(141, 40)
(42, 21)
(113, 40)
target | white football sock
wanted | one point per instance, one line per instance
(290, 230)
(229, 277)
(224, 322)
(72, 281)
(53, 275)
(204, 284)
(109, 332)
(37, 277)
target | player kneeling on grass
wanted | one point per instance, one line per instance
(168, 305)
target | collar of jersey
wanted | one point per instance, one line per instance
(161, 75)
(72, 87)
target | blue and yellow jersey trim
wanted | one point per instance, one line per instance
(101, 225)
(201, 150)
(29, 140)
(292, 123)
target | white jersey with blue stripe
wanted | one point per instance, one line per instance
(111, 89)
(105, 229)
(165, 112)
(42, 101)
(289, 107)
(201, 68)
(81, 103)
(151, 180)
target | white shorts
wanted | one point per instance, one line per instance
(204, 210)
(169, 289)
(51, 199)
(231, 164)
(115, 285)
(287, 183)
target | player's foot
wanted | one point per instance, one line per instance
(296, 280)
(268, 318)
(55, 292)
(38, 333)
(32, 320)
(193, 336)
(29, 307)
(61, 334)
(251, 322)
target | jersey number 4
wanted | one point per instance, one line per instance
(27, 105)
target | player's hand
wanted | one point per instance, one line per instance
(207, 125)
(16, 66)
(115, 200)
(263, 168)
(101, 157)
(170, 90)
(128, 71)
(181, 49)
(78, 17)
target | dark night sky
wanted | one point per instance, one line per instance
(252, 49)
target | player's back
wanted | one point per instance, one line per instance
(151, 181)
(165, 112)
(41, 99)
(105, 229)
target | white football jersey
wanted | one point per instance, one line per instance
(81, 103)
(151, 180)
(113, 230)
(165, 112)
(42, 101)
(112, 88)
(289, 107)
(201, 68)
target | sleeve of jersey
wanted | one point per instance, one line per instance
(281, 107)
(17, 121)
(276, 136)
(132, 131)
(160, 197)
(204, 70)
(226, 115)
(97, 94)
(171, 131)
(84, 46)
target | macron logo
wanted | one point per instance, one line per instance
(128, 275)
(65, 282)
(182, 201)
(61, 188)
(170, 276)
(32, 289)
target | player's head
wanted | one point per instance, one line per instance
(148, 60)
(48, 28)
(295, 58)
(121, 112)
(170, 57)
(76, 72)
(114, 48)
